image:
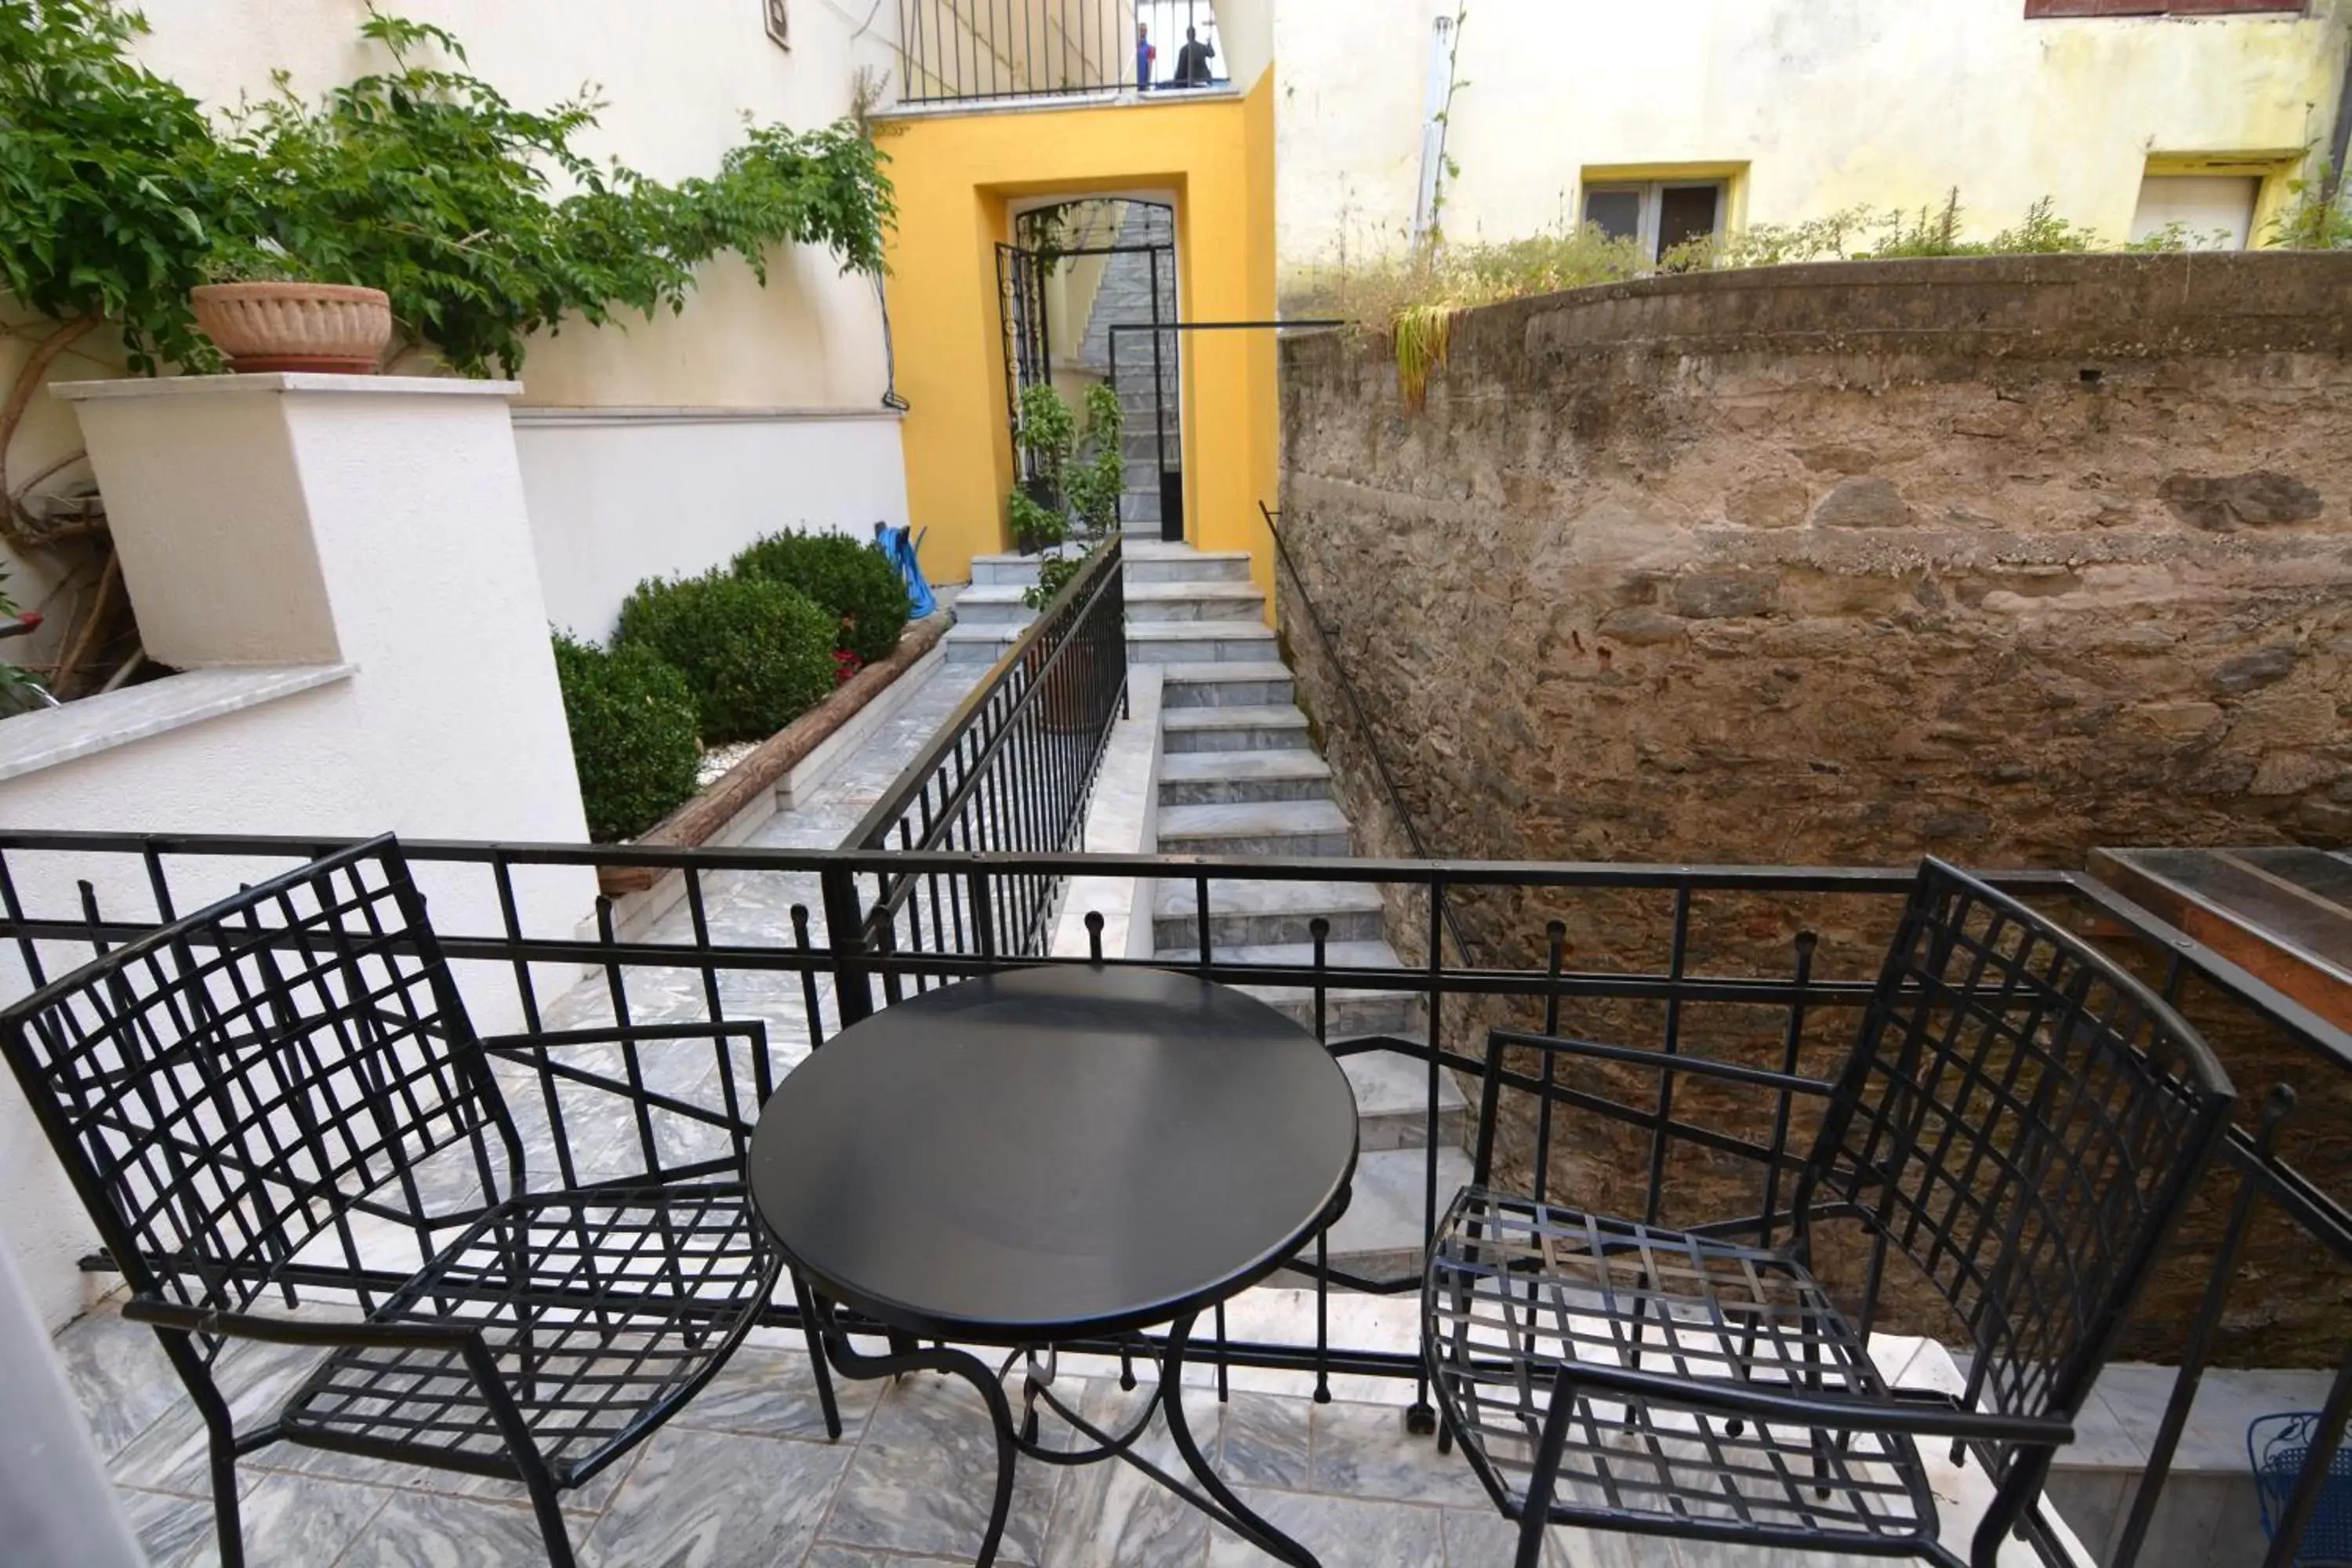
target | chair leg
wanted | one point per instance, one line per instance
(552, 1526)
(224, 1507)
(1535, 1513)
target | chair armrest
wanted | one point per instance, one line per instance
(1792, 1409)
(752, 1029)
(466, 1339)
(1636, 1055)
(165, 1315)
(683, 1125)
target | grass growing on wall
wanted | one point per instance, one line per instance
(1411, 300)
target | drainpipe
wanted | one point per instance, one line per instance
(1437, 88)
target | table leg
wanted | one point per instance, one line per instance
(908, 1355)
(1239, 1518)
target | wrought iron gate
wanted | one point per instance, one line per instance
(1028, 345)
(1156, 429)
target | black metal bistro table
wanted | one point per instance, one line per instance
(1049, 1156)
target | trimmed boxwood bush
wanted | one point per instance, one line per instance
(633, 735)
(854, 581)
(758, 653)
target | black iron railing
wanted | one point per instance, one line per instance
(1399, 806)
(964, 50)
(1011, 771)
(1769, 967)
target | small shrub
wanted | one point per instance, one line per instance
(1054, 574)
(854, 581)
(633, 735)
(758, 653)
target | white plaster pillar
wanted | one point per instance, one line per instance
(373, 521)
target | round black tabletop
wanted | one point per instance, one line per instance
(1051, 1153)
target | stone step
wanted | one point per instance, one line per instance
(1277, 828)
(989, 571)
(1348, 1012)
(1381, 1236)
(1214, 778)
(1393, 1104)
(1228, 686)
(995, 604)
(1182, 564)
(1195, 601)
(1198, 642)
(1187, 730)
(1262, 913)
(979, 642)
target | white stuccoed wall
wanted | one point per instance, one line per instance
(371, 525)
(617, 496)
(1831, 103)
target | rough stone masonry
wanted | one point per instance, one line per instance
(1998, 559)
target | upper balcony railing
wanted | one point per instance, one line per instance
(959, 51)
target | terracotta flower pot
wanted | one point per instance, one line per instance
(295, 326)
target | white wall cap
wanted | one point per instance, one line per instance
(282, 381)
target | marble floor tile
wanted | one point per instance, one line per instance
(292, 1522)
(1342, 1532)
(924, 1477)
(1364, 1452)
(716, 1500)
(426, 1529)
(1266, 1441)
(1478, 1538)
(824, 1554)
(1112, 1515)
(773, 1393)
(119, 1374)
(168, 1527)
(173, 1454)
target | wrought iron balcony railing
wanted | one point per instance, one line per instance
(1766, 967)
(953, 51)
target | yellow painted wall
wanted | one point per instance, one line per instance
(956, 176)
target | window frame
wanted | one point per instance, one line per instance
(1651, 195)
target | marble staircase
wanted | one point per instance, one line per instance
(1240, 776)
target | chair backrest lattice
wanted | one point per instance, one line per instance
(2017, 1115)
(278, 1066)
(2022, 1120)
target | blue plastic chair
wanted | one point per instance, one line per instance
(2278, 1447)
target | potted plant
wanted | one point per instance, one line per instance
(264, 317)
(1047, 434)
(1059, 488)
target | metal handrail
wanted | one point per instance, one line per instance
(1011, 770)
(1050, 631)
(1356, 707)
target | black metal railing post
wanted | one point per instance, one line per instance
(844, 935)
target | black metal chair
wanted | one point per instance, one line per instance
(284, 1094)
(2019, 1118)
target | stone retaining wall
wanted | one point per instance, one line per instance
(1995, 559)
